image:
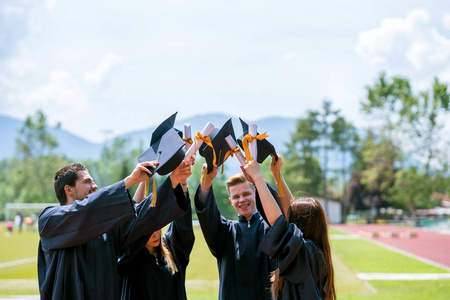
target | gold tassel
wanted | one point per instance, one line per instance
(146, 184)
(280, 186)
(153, 204)
(204, 174)
(223, 163)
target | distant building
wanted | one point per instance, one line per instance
(333, 210)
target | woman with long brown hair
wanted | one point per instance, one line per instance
(298, 242)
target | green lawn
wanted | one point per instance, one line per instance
(367, 257)
(349, 256)
(354, 256)
(19, 279)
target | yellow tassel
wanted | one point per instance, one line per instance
(146, 191)
(153, 204)
(280, 187)
(203, 174)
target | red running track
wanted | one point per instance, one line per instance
(426, 244)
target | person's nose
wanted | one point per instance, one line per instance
(94, 186)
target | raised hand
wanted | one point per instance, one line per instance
(139, 173)
(252, 170)
(207, 179)
(181, 173)
(275, 167)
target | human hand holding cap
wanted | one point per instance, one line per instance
(181, 173)
(207, 178)
(140, 173)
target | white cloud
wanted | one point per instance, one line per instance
(50, 4)
(444, 75)
(19, 67)
(103, 70)
(61, 97)
(289, 56)
(13, 10)
(405, 42)
(13, 21)
(446, 21)
(62, 90)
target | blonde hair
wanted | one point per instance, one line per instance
(235, 180)
(162, 252)
(308, 215)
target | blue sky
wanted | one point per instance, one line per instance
(126, 65)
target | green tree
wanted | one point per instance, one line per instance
(307, 154)
(414, 126)
(347, 141)
(414, 122)
(441, 181)
(412, 189)
(28, 176)
(302, 169)
(379, 173)
(116, 162)
(326, 118)
(34, 137)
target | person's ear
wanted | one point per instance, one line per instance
(69, 190)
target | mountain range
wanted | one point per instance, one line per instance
(75, 147)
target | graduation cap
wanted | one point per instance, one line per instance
(265, 148)
(166, 146)
(220, 150)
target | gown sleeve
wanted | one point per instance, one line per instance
(180, 238)
(71, 225)
(299, 260)
(214, 226)
(259, 206)
(170, 205)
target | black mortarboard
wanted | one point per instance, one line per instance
(166, 146)
(265, 148)
(220, 145)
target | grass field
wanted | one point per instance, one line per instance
(351, 256)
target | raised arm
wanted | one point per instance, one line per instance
(139, 173)
(181, 174)
(172, 204)
(84, 220)
(214, 226)
(271, 208)
(275, 168)
(71, 225)
(180, 237)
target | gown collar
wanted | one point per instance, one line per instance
(255, 215)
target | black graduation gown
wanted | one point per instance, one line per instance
(300, 261)
(244, 271)
(145, 277)
(80, 243)
(259, 205)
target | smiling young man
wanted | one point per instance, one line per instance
(81, 239)
(244, 270)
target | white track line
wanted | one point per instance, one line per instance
(403, 276)
(17, 262)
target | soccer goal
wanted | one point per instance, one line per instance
(26, 209)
